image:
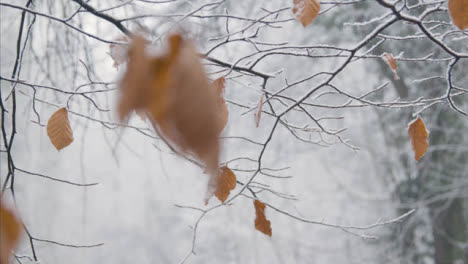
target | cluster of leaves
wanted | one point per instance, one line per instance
(189, 111)
(185, 109)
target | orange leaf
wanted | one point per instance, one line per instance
(419, 137)
(135, 85)
(225, 183)
(175, 92)
(10, 231)
(223, 114)
(458, 10)
(258, 115)
(306, 10)
(261, 223)
(59, 130)
(390, 60)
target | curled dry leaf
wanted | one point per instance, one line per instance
(174, 91)
(59, 130)
(261, 223)
(118, 52)
(458, 10)
(222, 111)
(258, 115)
(10, 231)
(390, 60)
(225, 184)
(306, 10)
(419, 137)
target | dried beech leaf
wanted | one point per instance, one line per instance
(258, 115)
(226, 182)
(136, 84)
(261, 223)
(306, 10)
(419, 137)
(174, 91)
(191, 117)
(458, 10)
(118, 52)
(59, 130)
(390, 60)
(223, 114)
(10, 231)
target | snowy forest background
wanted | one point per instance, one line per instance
(355, 171)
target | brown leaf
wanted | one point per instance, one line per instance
(136, 84)
(261, 223)
(10, 231)
(175, 92)
(306, 10)
(419, 137)
(225, 183)
(223, 114)
(458, 10)
(258, 115)
(59, 130)
(390, 60)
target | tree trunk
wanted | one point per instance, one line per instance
(449, 229)
(448, 223)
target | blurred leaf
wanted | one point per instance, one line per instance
(390, 60)
(261, 223)
(223, 114)
(137, 82)
(419, 137)
(59, 130)
(10, 231)
(459, 12)
(258, 115)
(174, 91)
(306, 10)
(118, 52)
